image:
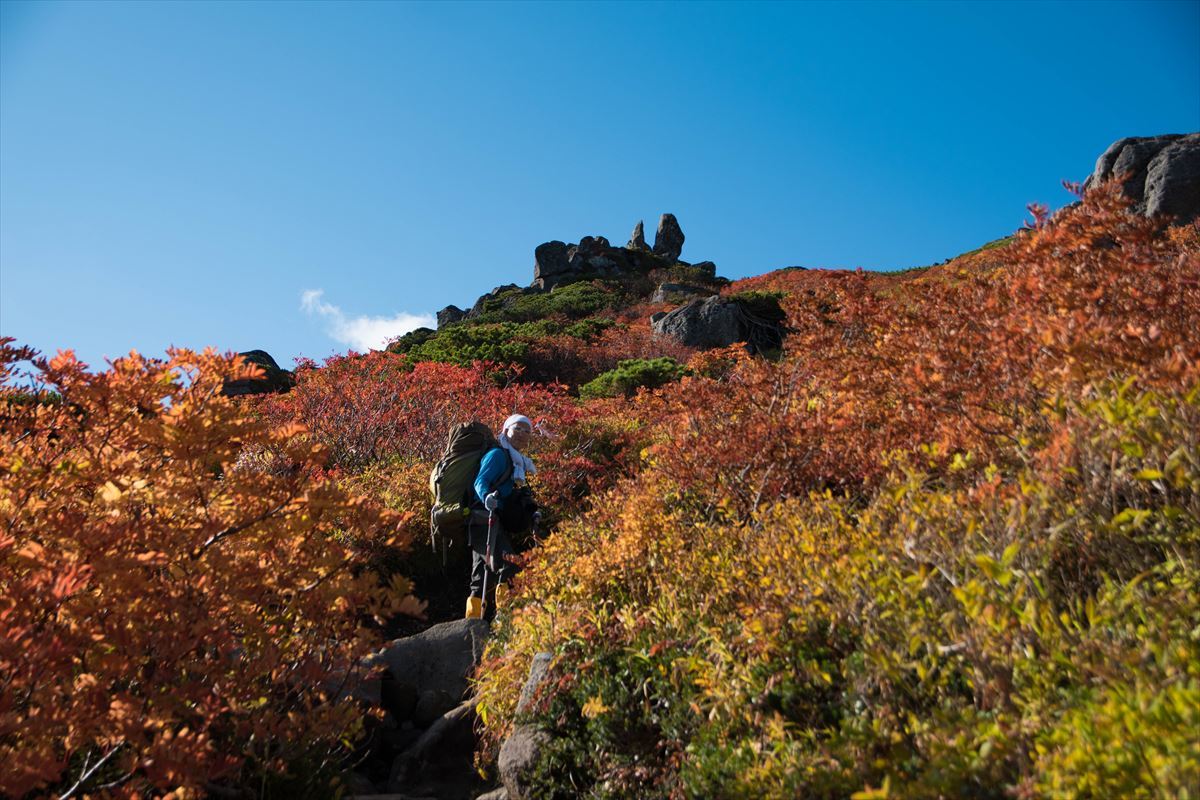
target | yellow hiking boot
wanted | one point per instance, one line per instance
(474, 608)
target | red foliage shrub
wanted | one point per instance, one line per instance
(365, 408)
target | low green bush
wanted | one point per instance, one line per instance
(633, 374)
(588, 329)
(464, 344)
(572, 301)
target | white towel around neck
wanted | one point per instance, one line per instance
(522, 464)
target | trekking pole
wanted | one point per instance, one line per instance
(487, 559)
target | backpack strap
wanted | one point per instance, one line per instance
(507, 474)
(472, 500)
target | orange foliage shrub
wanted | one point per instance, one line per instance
(168, 614)
(946, 547)
(951, 364)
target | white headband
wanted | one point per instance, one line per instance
(516, 419)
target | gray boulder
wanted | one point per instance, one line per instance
(1173, 180)
(594, 254)
(436, 660)
(1161, 173)
(518, 756)
(668, 240)
(637, 240)
(538, 669)
(431, 704)
(449, 315)
(550, 264)
(522, 749)
(704, 323)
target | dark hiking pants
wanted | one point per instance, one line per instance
(501, 547)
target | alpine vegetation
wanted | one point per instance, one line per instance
(814, 533)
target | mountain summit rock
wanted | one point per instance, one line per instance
(637, 240)
(556, 263)
(668, 241)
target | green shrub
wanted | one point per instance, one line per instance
(501, 342)
(410, 340)
(632, 374)
(588, 329)
(464, 344)
(572, 301)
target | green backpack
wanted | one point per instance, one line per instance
(452, 482)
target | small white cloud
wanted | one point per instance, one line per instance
(361, 333)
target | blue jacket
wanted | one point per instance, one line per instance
(495, 463)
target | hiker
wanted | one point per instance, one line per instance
(501, 498)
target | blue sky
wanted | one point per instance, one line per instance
(193, 173)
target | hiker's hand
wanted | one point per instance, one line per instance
(491, 501)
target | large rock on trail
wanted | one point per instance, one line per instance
(521, 750)
(668, 240)
(274, 379)
(1161, 173)
(431, 668)
(422, 745)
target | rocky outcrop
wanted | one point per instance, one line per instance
(522, 749)
(449, 315)
(557, 263)
(1173, 180)
(1161, 173)
(637, 240)
(274, 379)
(668, 241)
(722, 321)
(550, 264)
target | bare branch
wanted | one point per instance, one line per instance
(88, 773)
